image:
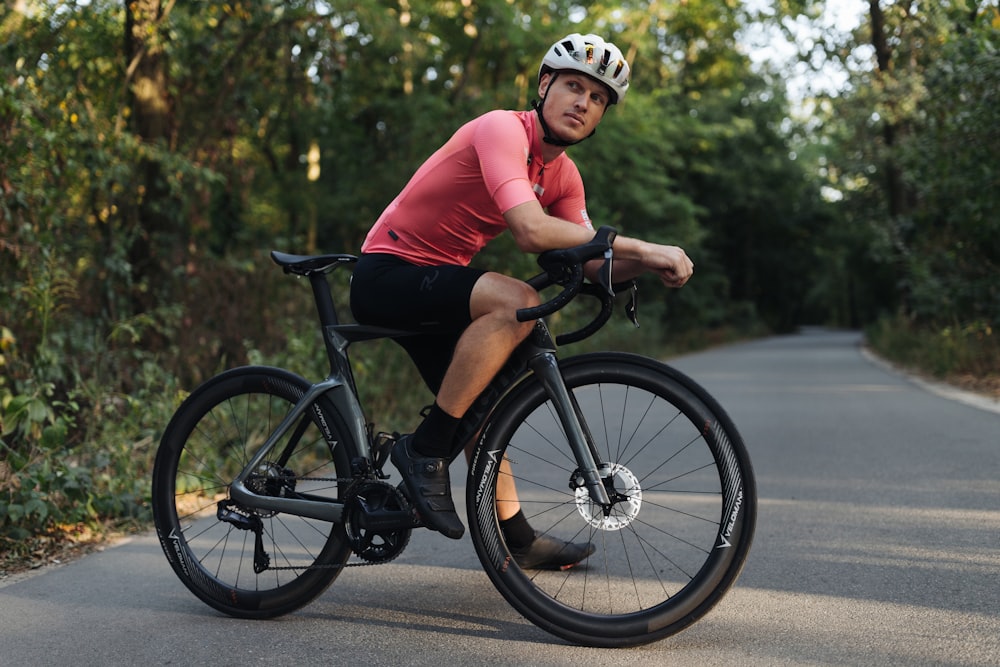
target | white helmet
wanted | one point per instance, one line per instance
(590, 55)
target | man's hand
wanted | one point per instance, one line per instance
(670, 263)
(634, 257)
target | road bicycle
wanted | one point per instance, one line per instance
(266, 486)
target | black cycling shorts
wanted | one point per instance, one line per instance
(390, 292)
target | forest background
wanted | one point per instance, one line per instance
(152, 152)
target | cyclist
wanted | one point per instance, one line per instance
(505, 170)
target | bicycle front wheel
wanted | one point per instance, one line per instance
(683, 507)
(245, 562)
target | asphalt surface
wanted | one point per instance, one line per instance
(878, 543)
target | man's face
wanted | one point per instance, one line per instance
(574, 104)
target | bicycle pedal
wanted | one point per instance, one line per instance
(381, 448)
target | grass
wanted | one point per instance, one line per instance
(963, 355)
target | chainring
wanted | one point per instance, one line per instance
(374, 545)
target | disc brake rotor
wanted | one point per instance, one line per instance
(626, 498)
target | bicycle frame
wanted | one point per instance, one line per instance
(345, 402)
(537, 353)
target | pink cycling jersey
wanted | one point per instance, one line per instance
(454, 204)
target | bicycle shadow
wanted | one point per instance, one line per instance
(423, 598)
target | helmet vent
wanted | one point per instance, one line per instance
(605, 61)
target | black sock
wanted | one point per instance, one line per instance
(435, 434)
(517, 532)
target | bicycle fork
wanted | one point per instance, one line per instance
(546, 368)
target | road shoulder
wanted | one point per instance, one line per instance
(974, 399)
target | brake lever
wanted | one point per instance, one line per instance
(604, 275)
(632, 307)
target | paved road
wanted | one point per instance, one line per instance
(878, 543)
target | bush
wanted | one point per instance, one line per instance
(965, 354)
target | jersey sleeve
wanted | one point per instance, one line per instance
(502, 148)
(570, 203)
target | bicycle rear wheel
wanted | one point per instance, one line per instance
(244, 562)
(680, 528)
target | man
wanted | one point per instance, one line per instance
(506, 170)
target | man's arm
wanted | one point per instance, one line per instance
(535, 231)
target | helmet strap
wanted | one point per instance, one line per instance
(548, 137)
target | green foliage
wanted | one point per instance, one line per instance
(954, 353)
(916, 159)
(951, 166)
(73, 448)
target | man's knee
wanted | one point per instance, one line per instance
(528, 297)
(496, 294)
(524, 297)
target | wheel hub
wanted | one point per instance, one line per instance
(270, 479)
(625, 492)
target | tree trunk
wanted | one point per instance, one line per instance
(150, 234)
(895, 187)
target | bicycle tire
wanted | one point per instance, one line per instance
(670, 549)
(208, 441)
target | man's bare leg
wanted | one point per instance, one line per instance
(488, 342)
(481, 352)
(482, 349)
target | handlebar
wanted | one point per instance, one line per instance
(565, 267)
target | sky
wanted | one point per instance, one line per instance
(768, 46)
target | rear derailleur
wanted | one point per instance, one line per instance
(269, 479)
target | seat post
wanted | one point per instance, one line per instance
(324, 299)
(328, 319)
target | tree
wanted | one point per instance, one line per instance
(949, 163)
(919, 132)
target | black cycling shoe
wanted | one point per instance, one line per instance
(429, 488)
(550, 553)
